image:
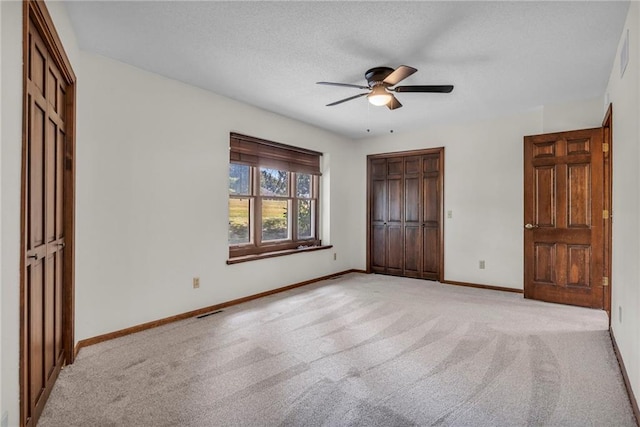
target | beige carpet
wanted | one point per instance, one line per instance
(364, 350)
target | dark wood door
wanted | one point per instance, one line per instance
(405, 204)
(563, 216)
(44, 240)
(378, 215)
(412, 217)
(431, 215)
(386, 215)
(394, 223)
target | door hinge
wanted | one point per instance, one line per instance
(605, 282)
(605, 214)
(605, 147)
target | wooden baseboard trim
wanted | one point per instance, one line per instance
(153, 324)
(625, 377)
(477, 285)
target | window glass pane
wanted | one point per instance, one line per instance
(275, 219)
(306, 220)
(274, 182)
(303, 185)
(239, 221)
(239, 179)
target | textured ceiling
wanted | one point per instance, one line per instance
(501, 56)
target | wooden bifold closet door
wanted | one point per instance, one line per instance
(405, 214)
(47, 225)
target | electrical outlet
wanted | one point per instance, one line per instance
(481, 264)
(335, 256)
(196, 282)
(449, 214)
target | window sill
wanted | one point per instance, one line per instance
(245, 258)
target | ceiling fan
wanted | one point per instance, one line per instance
(382, 81)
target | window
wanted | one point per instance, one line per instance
(273, 197)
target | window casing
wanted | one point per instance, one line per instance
(273, 197)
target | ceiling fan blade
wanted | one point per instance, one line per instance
(394, 103)
(347, 99)
(399, 74)
(432, 89)
(343, 85)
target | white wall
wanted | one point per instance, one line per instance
(582, 114)
(624, 93)
(152, 168)
(483, 186)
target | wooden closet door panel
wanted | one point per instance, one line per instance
(36, 276)
(379, 214)
(394, 249)
(431, 211)
(412, 250)
(412, 199)
(378, 168)
(378, 201)
(431, 215)
(395, 233)
(395, 168)
(394, 201)
(50, 180)
(36, 184)
(412, 224)
(58, 343)
(378, 248)
(49, 315)
(431, 251)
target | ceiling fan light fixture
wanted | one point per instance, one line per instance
(381, 85)
(379, 96)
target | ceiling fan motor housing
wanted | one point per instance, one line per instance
(375, 76)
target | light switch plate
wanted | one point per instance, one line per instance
(5, 419)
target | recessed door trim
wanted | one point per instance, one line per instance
(36, 18)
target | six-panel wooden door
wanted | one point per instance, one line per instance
(564, 217)
(405, 214)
